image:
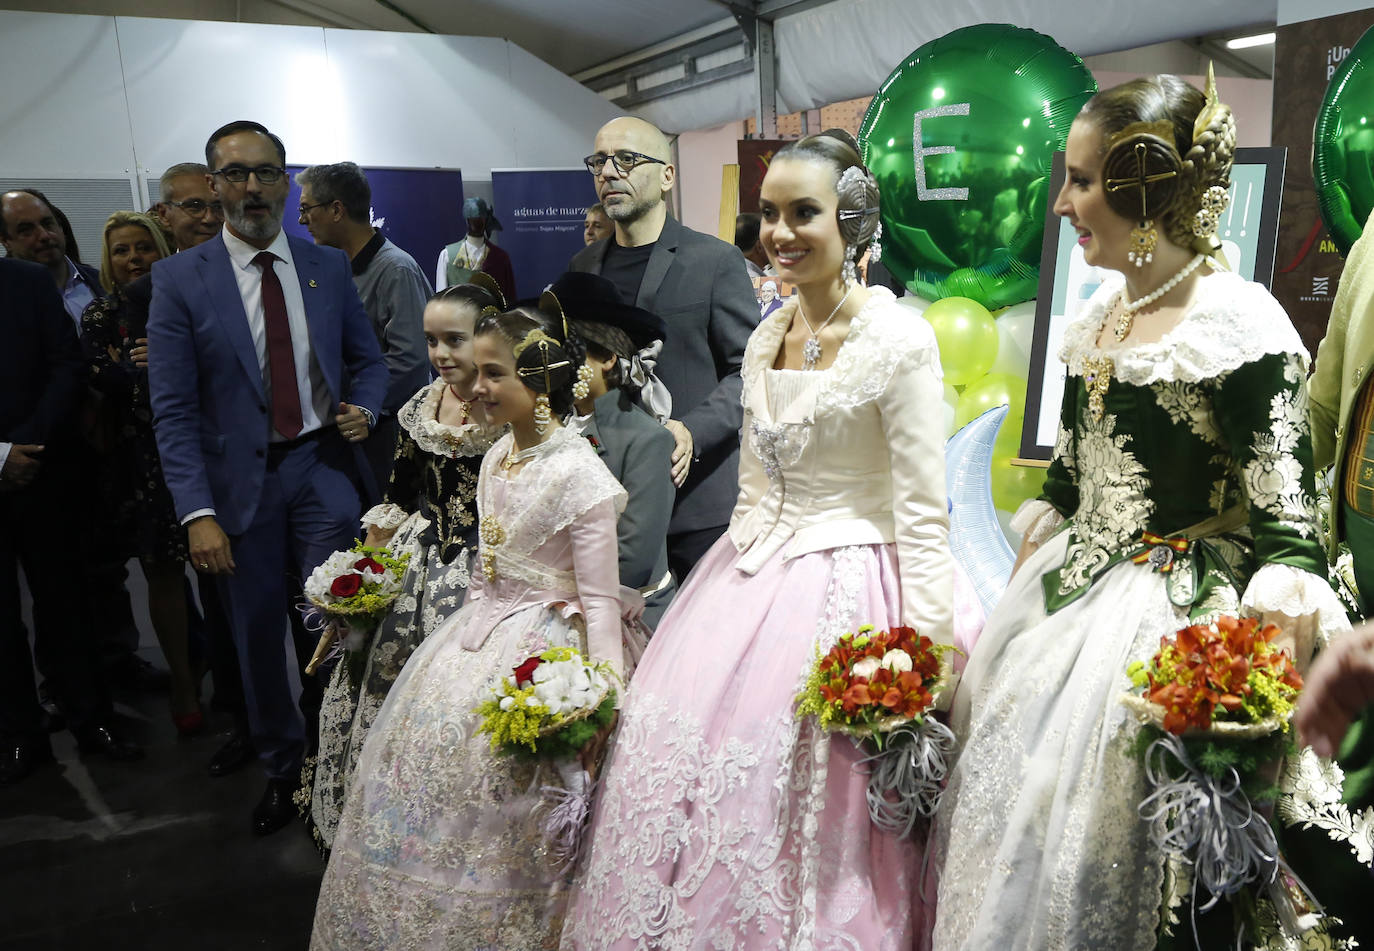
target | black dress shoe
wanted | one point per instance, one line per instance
(232, 756)
(106, 741)
(19, 757)
(275, 809)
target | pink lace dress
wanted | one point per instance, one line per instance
(436, 847)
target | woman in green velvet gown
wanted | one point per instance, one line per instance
(1183, 439)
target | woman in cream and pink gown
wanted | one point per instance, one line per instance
(723, 820)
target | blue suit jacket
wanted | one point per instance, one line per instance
(209, 406)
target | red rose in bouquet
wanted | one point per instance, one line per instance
(345, 586)
(368, 564)
(524, 674)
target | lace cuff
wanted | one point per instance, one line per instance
(1036, 520)
(388, 517)
(1300, 602)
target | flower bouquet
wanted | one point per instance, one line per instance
(549, 709)
(878, 687)
(352, 590)
(1215, 701)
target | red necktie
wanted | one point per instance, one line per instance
(281, 359)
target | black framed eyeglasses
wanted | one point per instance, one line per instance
(238, 174)
(307, 209)
(623, 159)
(197, 208)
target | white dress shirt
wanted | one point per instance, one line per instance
(317, 407)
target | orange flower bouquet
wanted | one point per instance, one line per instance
(1224, 678)
(1215, 701)
(879, 687)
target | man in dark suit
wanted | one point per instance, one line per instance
(33, 229)
(700, 287)
(265, 375)
(42, 380)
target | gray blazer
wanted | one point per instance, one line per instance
(638, 451)
(700, 286)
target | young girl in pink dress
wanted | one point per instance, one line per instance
(438, 846)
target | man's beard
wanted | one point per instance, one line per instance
(258, 229)
(629, 211)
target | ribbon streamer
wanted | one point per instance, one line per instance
(1209, 822)
(565, 812)
(913, 766)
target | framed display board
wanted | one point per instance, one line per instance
(1248, 230)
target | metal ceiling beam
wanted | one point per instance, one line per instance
(1218, 52)
(686, 58)
(751, 24)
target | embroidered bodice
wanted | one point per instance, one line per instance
(850, 455)
(1207, 425)
(547, 536)
(435, 473)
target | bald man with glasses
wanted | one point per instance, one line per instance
(700, 286)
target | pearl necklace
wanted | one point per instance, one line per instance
(1129, 308)
(514, 458)
(811, 350)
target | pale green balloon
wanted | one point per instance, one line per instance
(967, 336)
(989, 390)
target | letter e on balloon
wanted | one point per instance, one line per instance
(920, 151)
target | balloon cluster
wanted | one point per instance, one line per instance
(986, 362)
(960, 138)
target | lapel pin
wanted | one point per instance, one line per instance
(313, 284)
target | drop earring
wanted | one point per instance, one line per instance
(542, 416)
(1144, 237)
(583, 386)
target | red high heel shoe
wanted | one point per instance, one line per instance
(189, 724)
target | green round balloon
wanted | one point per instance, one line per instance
(1343, 145)
(963, 208)
(966, 335)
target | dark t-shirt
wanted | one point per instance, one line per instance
(624, 267)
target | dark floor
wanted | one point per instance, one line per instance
(149, 855)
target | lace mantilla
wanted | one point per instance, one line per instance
(567, 481)
(1232, 322)
(420, 418)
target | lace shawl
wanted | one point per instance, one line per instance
(547, 495)
(880, 337)
(1232, 322)
(420, 418)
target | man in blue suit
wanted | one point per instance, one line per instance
(263, 369)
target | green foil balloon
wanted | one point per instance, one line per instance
(1343, 145)
(960, 138)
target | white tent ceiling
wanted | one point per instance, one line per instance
(827, 52)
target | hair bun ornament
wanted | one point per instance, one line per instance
(488, 283)
(858, 205)
(1142, 173)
